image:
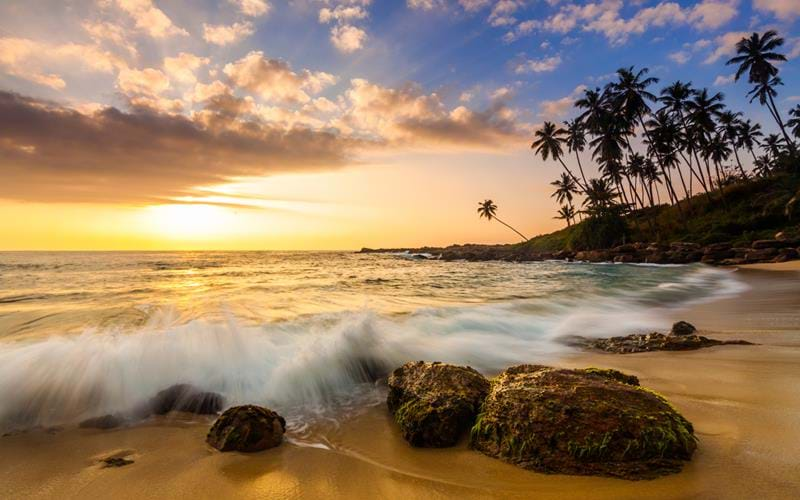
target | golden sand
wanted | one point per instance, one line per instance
(744, 402)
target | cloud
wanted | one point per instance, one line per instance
(408, 117)
(101, 31)
(221, 34)
(205, 91)
(679, 57)
(605, 17)
(149, 81)
(725, 46)
(559, 108)
(150, 19)
(183, 67)
(37, 62)
(274, 80)
(52, 153)
(342, 13)
(543, 65)
(722, 80)
(348, 38)
(425, 4)
(782, 9)
(252, 8)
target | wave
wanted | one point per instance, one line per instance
(317, 362)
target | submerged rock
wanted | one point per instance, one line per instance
(682, 328)
(435, 403)
(104, 422)
(116, 462)
(647, 342)
(589, 422)
(247, 428)
(186, 398)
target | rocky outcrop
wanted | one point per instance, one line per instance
(725, 254)
(247, 428)
(647, 342)
(589, 422)
(435, 403)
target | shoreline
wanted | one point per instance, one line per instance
(742, 400)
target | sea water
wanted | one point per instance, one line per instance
(307, 333)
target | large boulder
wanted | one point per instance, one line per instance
(435, 403)
(186, 398)
(648, 342)
(590, 422)
(247, 428)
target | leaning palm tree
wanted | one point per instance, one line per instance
(756, 56)
(566, 213)
(772, 144)
(576, 141)
(488, 209)
(749, 134)
(547, 143)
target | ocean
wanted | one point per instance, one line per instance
(84, 334)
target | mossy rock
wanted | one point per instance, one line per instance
(588, 422)
(435, 403)
(247, 428)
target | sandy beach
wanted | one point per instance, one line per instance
(742, 400)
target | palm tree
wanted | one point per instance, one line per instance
(600, 194)
(756, 56)
(567, 213)
(772, 145)
(595, 102)
(565, 188)
(676, 98)
(729, 126)
(488, 209)
(703, 110)
(748, 136)
(794, 122)
(576, 141)
(547, 143)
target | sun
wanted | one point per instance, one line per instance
(188, 221)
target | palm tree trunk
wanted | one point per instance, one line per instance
(738, 161)
(777, 115)
(511, 228)
(578, 182)
(580, 167)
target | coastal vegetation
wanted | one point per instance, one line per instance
(673, 162)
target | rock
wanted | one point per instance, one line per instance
(581, 422)
(657, 258)
(762, 244)
(733, 262)
(435, 403)
(247, 428)
(717, 247)
(682, 246)
(648, 342)
(624, 258)
(116, 462)
(627, 248)
(187, 398)
(761, 255)
(682, 328)
(104, 422)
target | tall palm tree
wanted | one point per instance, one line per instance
(730, 125)
(547, 143)
(676, 98)
(756, 56)
(488, 209)
(595, 103)
(576, 141)
(600, 194)
(703, 110)
(773, 145)
(566, 213)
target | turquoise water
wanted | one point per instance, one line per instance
(84, 334)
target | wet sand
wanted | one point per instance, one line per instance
(743, 401)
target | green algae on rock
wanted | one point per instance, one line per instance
(588, 422)
(247, 428)
(435, 403)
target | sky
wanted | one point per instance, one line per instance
(322, 124)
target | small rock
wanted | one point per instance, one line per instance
(186, 398)
(762, 244)
(104, 422)
(247, 428)
(116, 462)
(682, 328)
(435, 403)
